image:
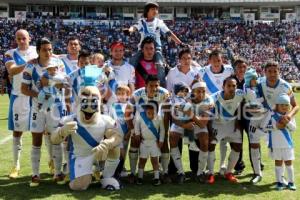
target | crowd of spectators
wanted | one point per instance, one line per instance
(255, 42)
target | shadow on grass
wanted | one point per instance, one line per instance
(19, 189)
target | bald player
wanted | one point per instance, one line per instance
(19, 108)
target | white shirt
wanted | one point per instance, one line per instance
(270, 94)
(12, 56)
(225, 109)
(88, 137)
(214, 81)
(152, 28)
(278, 138)
(33, 73)
(142, 129)
(70, 65)
(124, 74)
(176, 76)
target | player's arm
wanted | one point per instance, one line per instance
(175, 38)
(295, 107)
(26, 85)
(14, 69)
(161, 131)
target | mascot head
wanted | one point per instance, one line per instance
(89, 104)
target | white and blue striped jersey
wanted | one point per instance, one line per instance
(202, 107)
(139, 97)
(87, 137)
(117, 111)
(269, 94)
(278, 138)
(141, 128)
(214, 82)
(19, 58)
(70, 65)
(33, 73)
(153, 28)
(124, 74)
(179, 106)
(226, 110)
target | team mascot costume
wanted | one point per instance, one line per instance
(92, 136)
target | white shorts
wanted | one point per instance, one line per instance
(255, 134)
(42, 120)
(282, 154)
(19, 113)
(149, 148)
(178, 129)
(226, 131)
(80, 166)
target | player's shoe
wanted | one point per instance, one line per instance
(59, 179)
(35, 181)
(139, 181)
(210, 179)
(14, 173)
(180, 178)
(202, 178)
(230, 177)
(165, 178)
(280, 186)
(131, 178)
(124, 173)
(255, 179)
(51, 167)
(291, 186)
(156, 182)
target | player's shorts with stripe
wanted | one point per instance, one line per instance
(80, 166)
(225, 131)
(42, 120)
(19, 113)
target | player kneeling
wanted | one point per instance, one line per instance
(150, 129)
(92, 136)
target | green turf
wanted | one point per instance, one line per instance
(19, 188)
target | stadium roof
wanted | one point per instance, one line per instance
(163, 2)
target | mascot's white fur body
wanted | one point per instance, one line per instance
(92, 137)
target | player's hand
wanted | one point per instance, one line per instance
(101, 151)
(285, 119)
(280, 125)
(160, 144)
(69, 128)
(189, 125)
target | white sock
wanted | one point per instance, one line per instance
(175, 154)
(133, 159)
(202, 160)
(48, 145)
(57, 158)
(223, 152)
(278, 172)
(17, 147)
(65, 151)
(156, 174)
(255, 158)
(35, 160)
(211, 161)
(165, 162)
(232, 160)
(110, 167)
(290, 173)
(140, 173)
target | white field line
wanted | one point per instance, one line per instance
(6, 139)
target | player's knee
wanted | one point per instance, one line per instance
(81, 183)
(236, 147)
(211, 147)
